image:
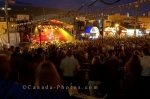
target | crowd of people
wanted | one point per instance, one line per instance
(118, 67)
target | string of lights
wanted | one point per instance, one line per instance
(105, 2)
(108, 2)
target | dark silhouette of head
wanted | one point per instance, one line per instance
(39, 50)
(17, 49)
(5, 67)
(146, 51)
(69, 53)
(135, 65)
(96, 60)
(46, 74)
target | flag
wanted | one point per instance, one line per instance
(12, 1)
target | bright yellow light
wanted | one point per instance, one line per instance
(12, 25)
(66, 35)
(45, 30)
(116, 25)
(36, 30)
(39, 26)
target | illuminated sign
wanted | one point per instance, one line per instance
(23, 17)
(94, 30)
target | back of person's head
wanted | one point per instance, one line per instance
(39, 50)
(17, 49)
(146, 51)
(136, 52)
(69, 53)
(12, 48)
(135, 64)
(46, 74)
(111, 52)
(135, 58)
(25, 49)
(5, 67)
(95, 60)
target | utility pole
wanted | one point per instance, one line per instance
(102, 27)
(44, 14)
(136, 16)
(6, 17)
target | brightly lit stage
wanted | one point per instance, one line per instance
(50, 33)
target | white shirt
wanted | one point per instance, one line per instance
(69, 65)
(145, 62)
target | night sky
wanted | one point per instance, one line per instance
(76, 4)
(68, 4)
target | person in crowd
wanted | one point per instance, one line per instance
(16, 63)
(133, 70)
(111, 78)
(39, 55)
(96, 77)
(12, 49)
(27, 72)
(69, 66)
(5, 67)
(8, 89)
(47, 75)
(5, 50)
(145, 63)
